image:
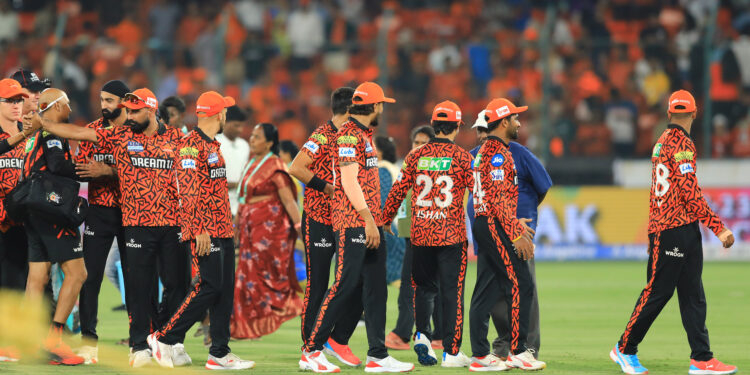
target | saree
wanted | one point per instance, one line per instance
(265, 287)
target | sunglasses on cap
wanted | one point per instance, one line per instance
(133, 98)
(11, 100)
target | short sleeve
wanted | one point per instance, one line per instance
(348, 148)
(312, 147)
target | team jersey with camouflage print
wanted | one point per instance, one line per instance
(144, 169)
(676, 198)
(496, 186)
(202, 187)
(320, 148)
(439, 172)
(354, 145)
(103, 191)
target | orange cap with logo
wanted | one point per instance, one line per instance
(211, 103)
(10, 88)
(370, 93)
(141, 98)
(447, 111)
(500, 108)
(682, 101)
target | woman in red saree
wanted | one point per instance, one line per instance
(265, 286)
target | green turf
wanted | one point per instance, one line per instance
(584, 307)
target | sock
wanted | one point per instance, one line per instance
(57, 325)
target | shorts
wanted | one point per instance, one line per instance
(46, 244)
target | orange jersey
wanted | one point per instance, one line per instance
(354, 143)
(320, 148)
(439, 173)
(144, 169)
(102, 191)
(202, 187)
(496, 185)
(11, 166)
(676, 198)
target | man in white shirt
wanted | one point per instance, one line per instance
(236, 151)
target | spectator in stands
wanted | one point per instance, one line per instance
(9, 25)
(172, 110)
(305, 29)
(620, 116)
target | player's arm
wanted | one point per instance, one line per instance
(540, 179)
(9, 143)
(300, 168)
(288, 200)
(67, 131)
(404, 182)
(190, 172)
(684, 167)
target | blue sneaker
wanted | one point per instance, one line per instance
(629, 363)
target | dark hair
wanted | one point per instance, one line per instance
(289, 147)
(424, 129)
(361, 109)
(341, 100)
(234, 113)
(491, 126)
(387, 147)
(272, 134)
(174, 101)
(444, 127)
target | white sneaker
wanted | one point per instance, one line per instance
(525, 361)
(490, 362)
(180, 356)
(161, 352)
(423, 347)
(317, 362)
(90, 354)
(140, 358)
(228, 362)
(458, 360)
(387, 364)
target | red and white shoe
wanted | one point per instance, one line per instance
(712, 366)
(487, 363)
(9, 354)
(525, 361)
(161, 352)
(341, 352)
(387, 364)
(316, 361)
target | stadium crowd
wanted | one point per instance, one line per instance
(611, 64)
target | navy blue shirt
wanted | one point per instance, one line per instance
(533, 184)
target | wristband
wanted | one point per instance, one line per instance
(317, 183)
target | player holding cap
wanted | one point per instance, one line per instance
(675, 246)
(206, 221)
(143, 153)
(357, 220)
(504, 244)
(440, 174)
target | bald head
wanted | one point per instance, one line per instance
(54, 105)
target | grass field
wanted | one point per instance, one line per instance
(584, 307)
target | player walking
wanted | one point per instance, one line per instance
(504, 245)
(675, 246)
(440, 174)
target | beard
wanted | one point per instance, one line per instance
(513, 134)
(137, 127)
(221, 127)
(375, 121)
(111, 115)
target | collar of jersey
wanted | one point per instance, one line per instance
(675, 126)
(497, 139)
(203, 135)
(441, 140)
(329, 123)
(162, 128)
(359, 124)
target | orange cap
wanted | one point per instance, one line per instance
(369, 93)
(10, 88)
(141, 98)
(501, 108)
(681, 101)
(446, 111)
(211, 103)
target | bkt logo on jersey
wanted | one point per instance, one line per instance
(218, 173)
(135, 146)
(497, 160)
(105, 158)
(213, 158)
(434, 164)
(498, 174)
